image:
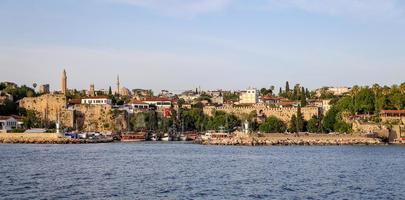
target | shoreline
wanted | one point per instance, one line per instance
(45, 138)
(279, 139)
(239, 139)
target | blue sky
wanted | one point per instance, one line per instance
(182, 44)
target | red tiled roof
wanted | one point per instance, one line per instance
(156, 99)
(5, 117)
(75, 101)
(97, 97)
(137, 102)
(271, 98)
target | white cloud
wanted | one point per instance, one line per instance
(184, 8)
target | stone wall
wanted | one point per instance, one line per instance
(49, 106)
(281, 113)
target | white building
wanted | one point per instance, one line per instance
(158, 102)
(97, 100)
(8, 123)
(250, 96)
(136, 106)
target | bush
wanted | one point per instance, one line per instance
(273, 125)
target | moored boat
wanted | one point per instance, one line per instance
(165, 137)
(133, 137)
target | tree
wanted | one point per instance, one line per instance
(300, 120)
(287, 87)
(272, 125)
(8, 108)
(109, 91)
(303, 98)
(31, 120)
(280, 92)
(364, 101)
(342, 127)
(222, 119)
(293, 124)
(314, 125)
(329, 120)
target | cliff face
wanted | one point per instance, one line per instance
(99, 118)
(82, 116)
(48, 107)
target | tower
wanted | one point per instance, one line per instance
(118, 84)
(92, 93)
(64, 82)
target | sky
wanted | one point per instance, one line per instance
(184, 44)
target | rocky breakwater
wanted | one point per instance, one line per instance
(292, 139)
(43, 138)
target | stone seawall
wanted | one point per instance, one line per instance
(43, 138)
(284, 139)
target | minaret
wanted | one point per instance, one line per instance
(92, 92)
(64, 82)
(118, 84)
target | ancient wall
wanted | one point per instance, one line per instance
(48, 107)
(284, 114)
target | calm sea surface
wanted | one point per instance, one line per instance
(188, 171)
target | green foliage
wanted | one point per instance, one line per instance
(266, 92)
(8, 108)
(19, 92)
(31, 120)
(231, 96)
(342, 127)
(297, 122)
(314, 125)
(329, 120)
(364, 101)
(194, 119)
(300, 120)
(138, 121)
(181, 102)
(222, 119)
(292, 128)
(17, 130)
(325, 93)
(303, 97)
(272, 125)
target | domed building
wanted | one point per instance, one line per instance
(125, 92)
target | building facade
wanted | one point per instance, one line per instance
(44, 89)
(98, 100)
(250, 96)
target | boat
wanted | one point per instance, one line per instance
(191, 136)
(133, 137)
(206, 136)
(154, 137)
(165, 137)
(183, 137)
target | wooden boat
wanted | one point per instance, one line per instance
(191, 135)
(133, 137)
